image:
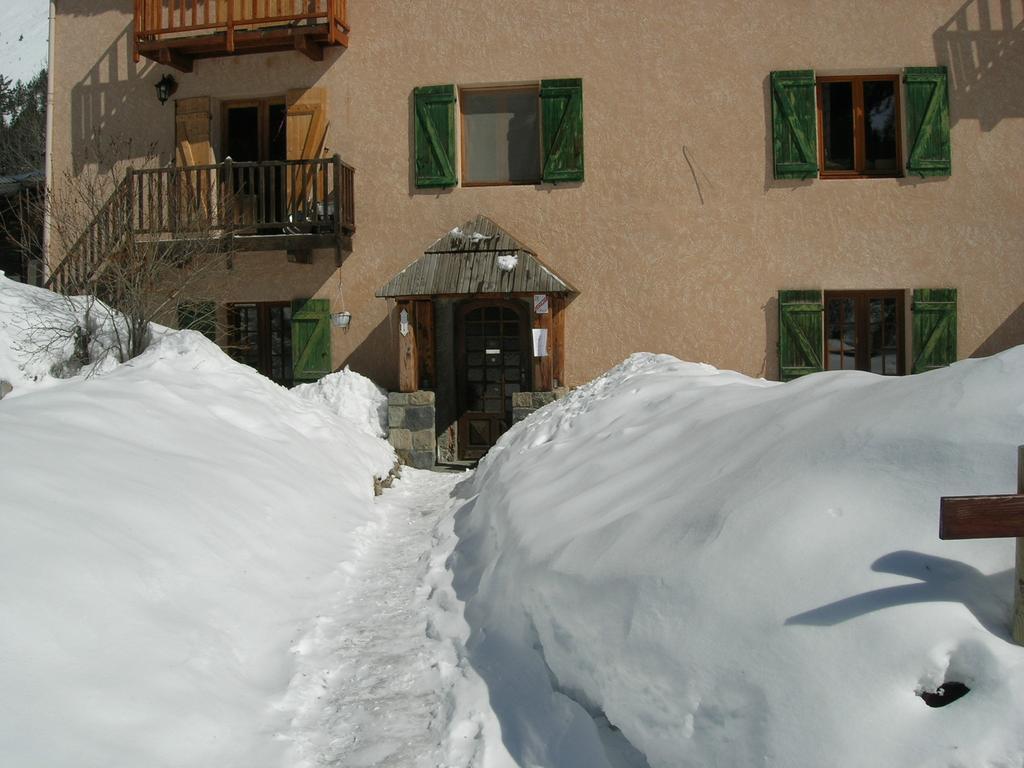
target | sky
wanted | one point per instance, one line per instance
(23, 32)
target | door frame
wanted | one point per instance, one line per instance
(461, 309)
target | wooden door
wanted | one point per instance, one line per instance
(494, 361)
(306, 140)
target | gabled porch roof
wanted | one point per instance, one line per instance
(477, 258)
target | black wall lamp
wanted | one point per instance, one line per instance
(165, 88)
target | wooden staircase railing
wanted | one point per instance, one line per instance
(102, 237)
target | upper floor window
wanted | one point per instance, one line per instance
(500, 135)
(858, 118)
(853, 126)
(522, 134)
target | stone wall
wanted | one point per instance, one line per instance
(411, 427)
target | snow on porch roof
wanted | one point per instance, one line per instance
(478, 257)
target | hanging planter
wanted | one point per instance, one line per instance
(341, 319)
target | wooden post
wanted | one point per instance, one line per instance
(542, 365)
(139, 13)
(339, 236)
(984, 517)
(408, 365)
(424, 329)
(1018, 593)
(558, 341)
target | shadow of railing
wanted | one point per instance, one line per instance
(109, 103)
(983, 44)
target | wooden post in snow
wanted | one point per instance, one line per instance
(983, 517)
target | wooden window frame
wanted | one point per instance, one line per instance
(264, 352)
(857, 88)
(861, 313)
(463, 165)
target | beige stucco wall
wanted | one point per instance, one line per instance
(679, 239)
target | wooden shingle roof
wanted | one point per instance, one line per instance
(478, 257)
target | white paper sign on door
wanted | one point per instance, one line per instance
(540, 342)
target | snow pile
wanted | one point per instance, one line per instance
(37, 339)
(680, 566)
(170, 528)
(508, 261)
(351, 396)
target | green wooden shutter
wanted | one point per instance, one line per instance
(199, 316)
(311, 339)
(928, 121)
(794, 124)
(934, 332)
(562, 129)
(435, 136)
(800, 340)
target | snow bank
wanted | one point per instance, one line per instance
(351, 396)
(37, 344)
(170, 528)
(687, 567)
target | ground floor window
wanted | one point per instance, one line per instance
(864, 331)
(260, 335)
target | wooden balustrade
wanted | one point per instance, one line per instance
(259, 205)
(176, 32)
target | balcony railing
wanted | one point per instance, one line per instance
(291, 205)
(176, 32)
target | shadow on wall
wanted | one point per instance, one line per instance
(1009, 334)
(105, 104)
(376, 356)
(983, 43)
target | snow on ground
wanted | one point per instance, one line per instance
(352, 396)
(673, 566)
(170, 528)
(382, 680)
(680, 566)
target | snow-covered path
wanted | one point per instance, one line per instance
(382, 681)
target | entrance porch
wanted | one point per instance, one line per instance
(481, 327)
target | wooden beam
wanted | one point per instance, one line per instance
(304, 44)
(300, 256)
(425, 343)
(171, 58)
(981, 517)
(1017, 622)
(557, 341)
(298, 242)
(542, 365)
(408, 370)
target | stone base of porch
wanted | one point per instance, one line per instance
(411, 418)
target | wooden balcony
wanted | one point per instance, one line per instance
(177, 32)
(289, 205)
